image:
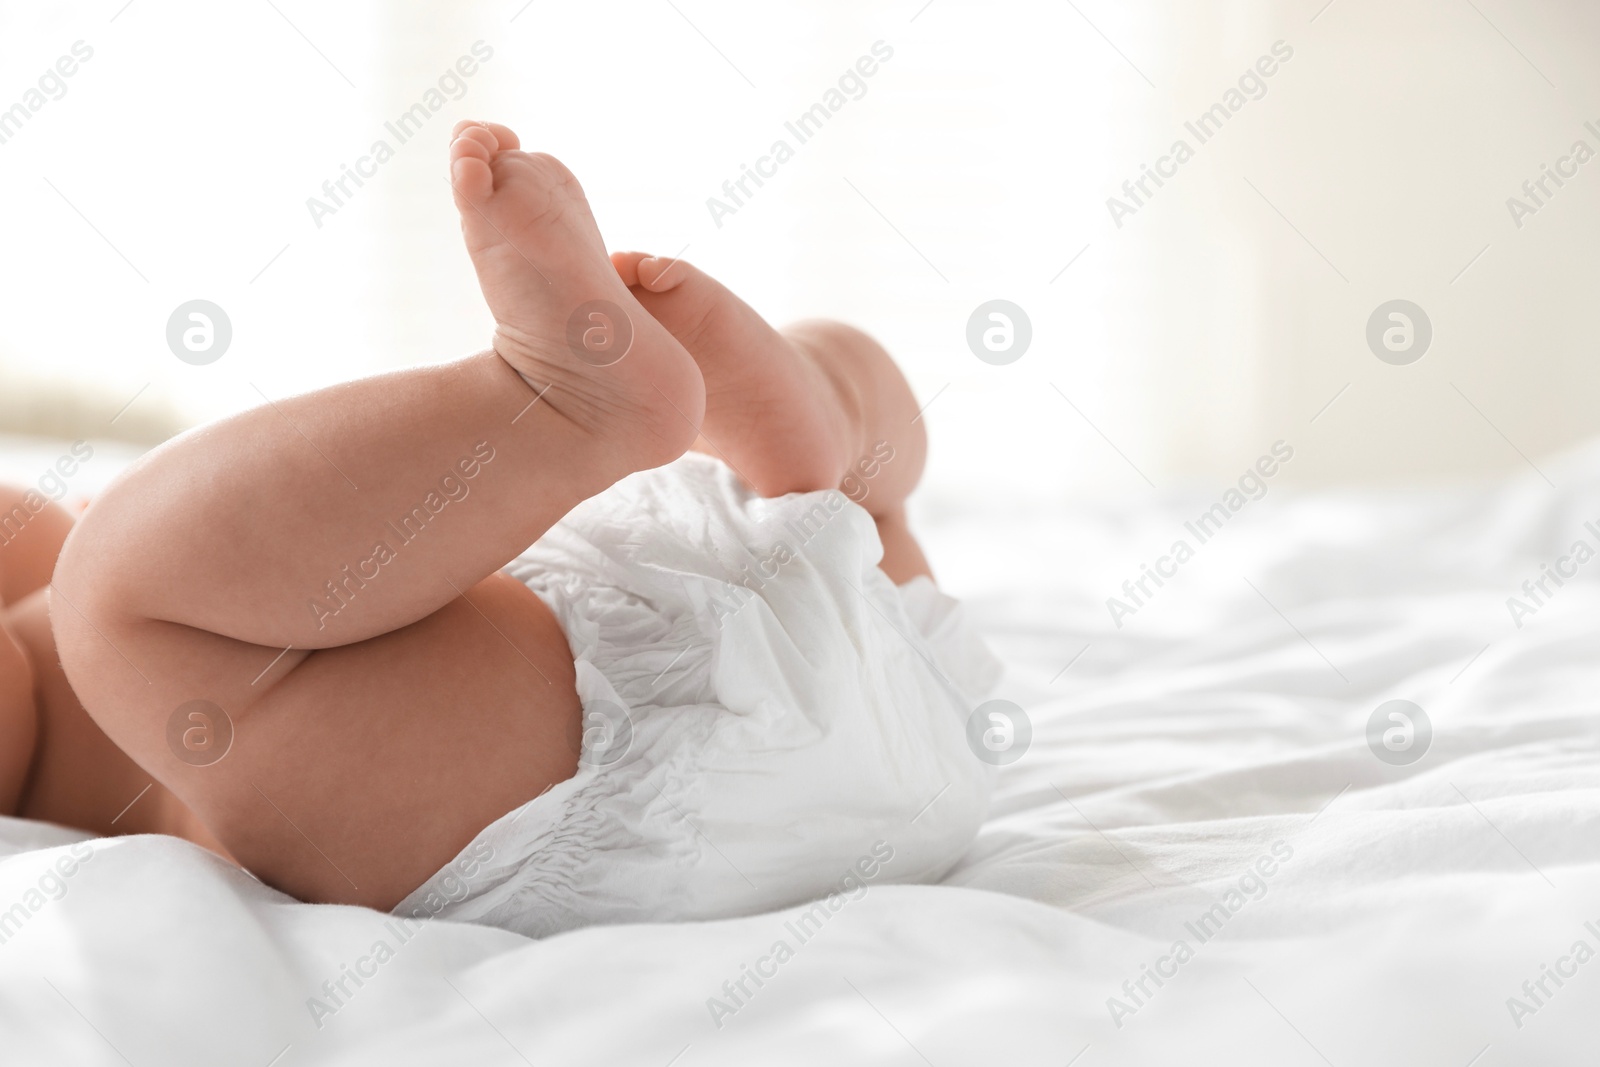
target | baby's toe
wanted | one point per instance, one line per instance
(627, 266)
(481, 136)
(503, 134)
(655, 274)
(497, 137)
(470, 148)
(470, 174)
(660, 273)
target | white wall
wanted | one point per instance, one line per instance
(1191, 337)
(1391, 141)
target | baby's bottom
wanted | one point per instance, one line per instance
(314, 588)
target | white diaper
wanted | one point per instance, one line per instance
(794, 716)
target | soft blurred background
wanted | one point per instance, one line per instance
(1171, 351)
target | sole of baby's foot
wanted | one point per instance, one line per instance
(563, 319)
(771, 411)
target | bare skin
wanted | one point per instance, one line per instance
(55, 763)
(753, 375)
(375, 735)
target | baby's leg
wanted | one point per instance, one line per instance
(890, 439)
(55, 763)
(819, 405)
(322, 572)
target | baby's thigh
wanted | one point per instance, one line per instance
(362, 769)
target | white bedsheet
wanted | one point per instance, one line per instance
(1224, 718)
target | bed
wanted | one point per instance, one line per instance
(1211, 852)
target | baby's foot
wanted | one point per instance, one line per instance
(563, 320)
(772, 411)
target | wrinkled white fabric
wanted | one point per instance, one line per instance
(767, 718)
(1169, 756)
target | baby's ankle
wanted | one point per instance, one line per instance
(623, 430)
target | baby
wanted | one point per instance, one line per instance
(720, 681)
